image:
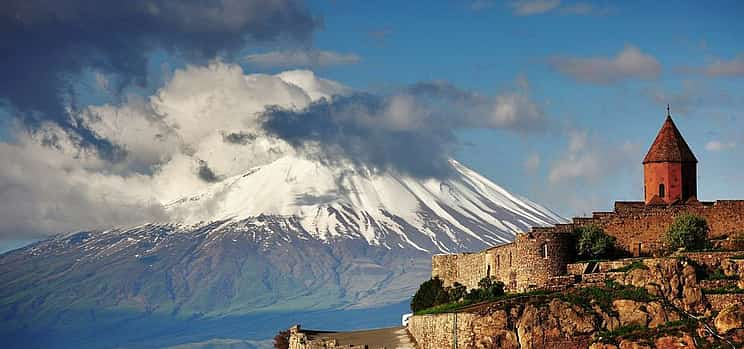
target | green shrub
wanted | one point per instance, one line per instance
(490, 288)
(457, 292)
(689, 232)
(433, 297)
(429, 294)
(593, 242)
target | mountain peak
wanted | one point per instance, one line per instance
(342, 200)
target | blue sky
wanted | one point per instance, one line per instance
(599, 73)
(485, 46)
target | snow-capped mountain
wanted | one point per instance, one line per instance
(287, 237)
(462, 211)
(263, 195)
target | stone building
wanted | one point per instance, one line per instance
(538, 258)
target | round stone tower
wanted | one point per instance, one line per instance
(541, 255)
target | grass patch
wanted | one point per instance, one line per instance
(723, 290)
(592, 260)
(644, 335)
(717, 274)
(445, 308)
(603, 296)
(455, 306)
(632, 266)
(738, 256)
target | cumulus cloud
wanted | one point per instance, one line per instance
(629, 63)
(719, 67)
(45, 45)
(717, 145)
(201, 126)
(212, 122)
(591, 160)
(306, 58)
(410, 131)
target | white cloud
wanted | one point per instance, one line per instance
(50, 183)
(206, 123)
(533, 7)
(590, 160)
(627, 64)
(716, 145)
(585, 9)
(734, 67)
(306, 58)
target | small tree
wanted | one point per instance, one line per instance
(689, 232)
(429, 294)
(593, 242)
(490, 288)
(457, 291)
(281, 340)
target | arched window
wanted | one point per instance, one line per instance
(510, 259)
(498, 261)
(488, 271)
(661, 190)
(544, 250)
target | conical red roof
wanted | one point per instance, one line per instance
(669, 146)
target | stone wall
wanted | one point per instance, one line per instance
(437, 330)
(465, 268)
(545, 252)
(527, 263)
(639, 228)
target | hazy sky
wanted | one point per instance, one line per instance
(102, 106)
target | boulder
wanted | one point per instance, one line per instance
(672, 342)
(658, 315)
(602, 346)
(631, 312)
(730, 318)
(628, 344)
(503, 339)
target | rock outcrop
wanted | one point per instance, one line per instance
(656, 304)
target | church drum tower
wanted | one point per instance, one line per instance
(669, 168)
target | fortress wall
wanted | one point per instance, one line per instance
(639, 228)
(436, 331)
(527, 263)
(545, 252)
(634, 223)
(503, 262)
(465, 268)
(469, 268)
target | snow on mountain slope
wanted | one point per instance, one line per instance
(464, 210)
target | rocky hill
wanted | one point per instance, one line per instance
(657, 304)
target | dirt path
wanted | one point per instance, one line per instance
(389, 338)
